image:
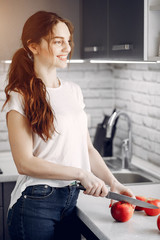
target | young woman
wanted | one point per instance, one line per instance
(48, 135)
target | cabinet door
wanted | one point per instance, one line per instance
(1, 213)
(0, 194)
(1, 222)
(7, 189)
(126, 24)
(94, 15)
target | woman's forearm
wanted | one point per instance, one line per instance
(40, 168)
(99, 168)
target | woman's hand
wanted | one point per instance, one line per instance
(121, 189)
(93, 185)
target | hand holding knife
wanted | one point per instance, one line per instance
(120, 197)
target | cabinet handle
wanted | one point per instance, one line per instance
(93, 49)
(121, 47)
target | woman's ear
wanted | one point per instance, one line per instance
(34, 48)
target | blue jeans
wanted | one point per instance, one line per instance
(44, 213)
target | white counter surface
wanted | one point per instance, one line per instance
(95, 213)
(8, 168)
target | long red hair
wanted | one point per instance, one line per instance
(22, 78)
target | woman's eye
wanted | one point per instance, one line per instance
(58, 42)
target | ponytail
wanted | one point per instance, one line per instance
(22, 79)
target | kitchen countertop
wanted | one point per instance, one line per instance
(95, 212)
(8, 168)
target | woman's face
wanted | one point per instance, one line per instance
(54, 54)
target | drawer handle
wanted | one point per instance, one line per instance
(123, 47)
(93, 49)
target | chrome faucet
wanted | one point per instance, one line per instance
(126, 149)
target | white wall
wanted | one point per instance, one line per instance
(137, 91)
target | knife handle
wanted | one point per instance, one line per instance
(80, 186)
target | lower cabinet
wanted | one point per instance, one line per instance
(1, 213)
(86, 233)
(5, 194)
(1, 222)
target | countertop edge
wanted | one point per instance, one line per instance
(84, 218)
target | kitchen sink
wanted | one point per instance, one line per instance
(131, 177)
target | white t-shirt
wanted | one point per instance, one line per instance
(68, 145)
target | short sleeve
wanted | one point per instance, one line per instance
(15, 103)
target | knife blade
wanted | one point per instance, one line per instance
(133, 201)
(120, 197)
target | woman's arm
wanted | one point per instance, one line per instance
(20, 137)
(100, 169)
(98, 166)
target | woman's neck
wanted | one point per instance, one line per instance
(48, 76)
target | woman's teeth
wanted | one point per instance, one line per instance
(63, 58)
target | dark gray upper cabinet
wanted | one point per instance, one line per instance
(94, 25)
(126, 20)
(113, 29)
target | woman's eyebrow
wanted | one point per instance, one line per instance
(58, 37)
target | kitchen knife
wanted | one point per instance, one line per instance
(120, 197)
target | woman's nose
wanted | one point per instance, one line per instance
(66, 47)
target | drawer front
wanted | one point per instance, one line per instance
(1, 223)
(7, 189)
(0, 194)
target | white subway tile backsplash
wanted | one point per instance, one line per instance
(144, 106)
(141, 98)
(98, 103)
(135, 67)
(136, 75)
(154, 67)
(154, 112)
(4, 146)
(2, 116)
(152, 123)
(139, 131)
(3, 127)
(3, 136)
(100, 93)
(154, 89)
(2, 80)
(153, 157)
(119, 74)
(150, 76)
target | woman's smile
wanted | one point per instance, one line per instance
(62, 57)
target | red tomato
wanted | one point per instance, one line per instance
(122, 211)
(153, 212)
(158, 222)
(137, 208)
